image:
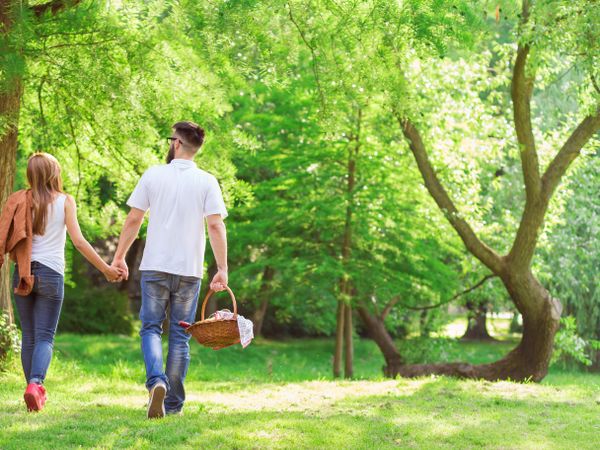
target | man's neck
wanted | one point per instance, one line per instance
(184, 155)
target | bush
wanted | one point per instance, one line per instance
(10, 341)
(570, 349)
(95, 310)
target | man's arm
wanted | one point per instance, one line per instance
(218, 242)
(131, 228)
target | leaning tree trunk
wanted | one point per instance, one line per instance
(477, 323)
(376, 328)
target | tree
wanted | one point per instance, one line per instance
(541, 312)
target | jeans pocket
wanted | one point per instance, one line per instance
(188, 288)
(50, 285)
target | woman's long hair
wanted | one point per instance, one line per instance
(43, 175)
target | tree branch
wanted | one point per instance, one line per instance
(388, 307)
(479, 249)
(315, 68)
(445, 302)
(521, 89)
(53, 6)
(568, 153)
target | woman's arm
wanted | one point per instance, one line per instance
(82, 245)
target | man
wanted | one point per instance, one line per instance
(179, 196)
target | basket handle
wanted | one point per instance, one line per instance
(210, 293)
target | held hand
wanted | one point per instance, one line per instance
(121, 265)
(113, 274)
(219, 281)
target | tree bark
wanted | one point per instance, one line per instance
(477, 323)
(259, 314)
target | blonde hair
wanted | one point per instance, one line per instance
(43, 175)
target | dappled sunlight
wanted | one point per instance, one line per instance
(307, 396)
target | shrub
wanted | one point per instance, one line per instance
(10, 341)
(569, 348)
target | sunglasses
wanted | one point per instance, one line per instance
(172, 139)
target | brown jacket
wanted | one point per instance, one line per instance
(16, 236)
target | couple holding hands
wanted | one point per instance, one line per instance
(181, 197)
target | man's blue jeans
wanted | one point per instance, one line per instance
(160, 289)
(39, 312)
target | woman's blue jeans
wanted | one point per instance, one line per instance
(160, 289)
(39, 312)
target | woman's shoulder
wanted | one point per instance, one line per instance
(68, 199)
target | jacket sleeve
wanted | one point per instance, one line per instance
(6, 219)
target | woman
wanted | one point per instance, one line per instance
(52, 213)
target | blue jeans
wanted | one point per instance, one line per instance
(39, 312)
(160, 289)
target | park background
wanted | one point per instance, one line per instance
(410, 184)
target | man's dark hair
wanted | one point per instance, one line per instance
(191, 134)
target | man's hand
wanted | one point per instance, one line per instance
(219, 281)
(121, 266)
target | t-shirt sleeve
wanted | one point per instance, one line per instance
(214, 204)
(140, 197)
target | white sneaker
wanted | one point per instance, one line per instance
(156, 405)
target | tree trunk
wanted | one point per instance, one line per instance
(259, 314)
(10, 103)
(477, 321)
(339, 340)
(344, 315)
(377, 331)
(348, 344)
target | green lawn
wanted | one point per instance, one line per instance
(281, 395)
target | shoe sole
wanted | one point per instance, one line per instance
(32, 402)
(156, 406)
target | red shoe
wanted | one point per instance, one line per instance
(35, 397)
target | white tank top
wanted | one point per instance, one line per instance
(49, 248)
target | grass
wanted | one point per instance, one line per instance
(281, 395)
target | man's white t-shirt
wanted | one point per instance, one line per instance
(179, 196)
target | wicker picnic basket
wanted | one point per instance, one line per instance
(216, 333)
